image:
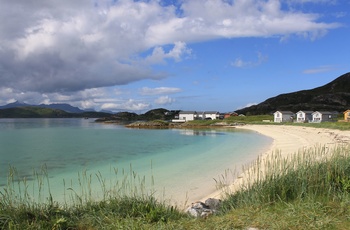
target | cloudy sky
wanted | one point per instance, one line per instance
(125, 55)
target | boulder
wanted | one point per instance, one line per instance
(200, 209)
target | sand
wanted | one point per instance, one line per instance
(289, 140)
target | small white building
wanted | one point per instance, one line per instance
(187, 115)
(212, 115)
(322, 116)
(194, 115)
(304, 116)
(283, 116)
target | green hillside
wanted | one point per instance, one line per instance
(38, 112)
(334, 96)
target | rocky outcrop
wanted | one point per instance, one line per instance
(148, 124)
(200, 209)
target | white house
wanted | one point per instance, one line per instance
(322, 116)
(283, 116)
(187, 115)
(304, 116)
(212, 115)
(193, 115)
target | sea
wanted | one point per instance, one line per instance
(64, 159)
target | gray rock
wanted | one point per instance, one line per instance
(200, 209)
(213, 204)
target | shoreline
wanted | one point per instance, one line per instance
(288, 140)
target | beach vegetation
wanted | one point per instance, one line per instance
(252, 119)
(201, 122)
(326, 125)
(307, 190)
(268, 119)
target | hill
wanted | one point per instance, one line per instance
(61, 106)
(154, 114)
(334, 96)
(39, 112)
(65, 107)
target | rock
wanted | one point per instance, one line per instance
(213, 204)
(192, 211)
(200, 209)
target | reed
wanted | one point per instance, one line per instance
(314, 174)
(26, 205)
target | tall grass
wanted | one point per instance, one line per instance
(257, 119)
(315, 174)
(26, 205)
(325, 125)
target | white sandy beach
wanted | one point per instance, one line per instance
(289, 140)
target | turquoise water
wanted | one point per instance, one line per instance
(182, 162)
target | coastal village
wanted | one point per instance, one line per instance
(309, 116)
(302, 116)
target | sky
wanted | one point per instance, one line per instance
(202, 55)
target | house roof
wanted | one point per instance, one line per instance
(284, 112)
(302, 111)
(211, 112)
(323, 112)
(187, 112)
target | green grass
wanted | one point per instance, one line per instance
(261, 119)
(201, 122)
(325, 125)
(257, 119)
(310, 190)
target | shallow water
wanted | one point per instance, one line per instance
(181, 162)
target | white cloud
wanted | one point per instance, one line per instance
(313, 1)
(247, 105)
(129, 105)
(159, 55)
(159, 90)
(164, 100)
(76, 51)
(320, 69)
(75, 45)
(340, 14)
(239, 63)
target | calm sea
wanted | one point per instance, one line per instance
(180, 163)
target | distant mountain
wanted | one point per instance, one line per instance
(154, 114)
(334, 96)
(65, 107)
(40, 112)
(31, 112)
(14, 105)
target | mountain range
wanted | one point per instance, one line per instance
(334, 96)
(23, 110)
(61, 106)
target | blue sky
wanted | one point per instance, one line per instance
(125, 55)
